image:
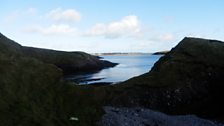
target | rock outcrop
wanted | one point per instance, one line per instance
(187, 80)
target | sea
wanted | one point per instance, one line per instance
(129, 66)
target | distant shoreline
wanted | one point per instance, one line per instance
(129, 53)
(122, 54)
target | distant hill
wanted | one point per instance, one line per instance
(69, 62)
(120, 53)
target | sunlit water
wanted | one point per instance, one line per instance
(129, 66)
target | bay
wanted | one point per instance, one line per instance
(129, 66)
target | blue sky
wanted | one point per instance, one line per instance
(110, 25)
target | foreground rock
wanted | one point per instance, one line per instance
(147, 117)
(187, 80)
(33, 92)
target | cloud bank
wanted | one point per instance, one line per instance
(127, 26)
(62, 23)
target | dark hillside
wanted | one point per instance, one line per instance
(188, 79)
(69, 62)
(33, 93)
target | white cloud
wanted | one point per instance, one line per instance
(127, 26)
(68, 15)
(61, 29)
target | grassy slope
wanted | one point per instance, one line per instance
(25, 97)
(33, 93)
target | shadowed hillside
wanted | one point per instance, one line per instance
(69, 62)
(33, 93)
(9, 47)
(188, 79)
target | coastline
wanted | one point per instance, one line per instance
(121, 54)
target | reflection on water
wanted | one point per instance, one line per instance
(129, 66)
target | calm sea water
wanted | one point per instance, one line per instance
(129, 66)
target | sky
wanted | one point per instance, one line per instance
(97, 26)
